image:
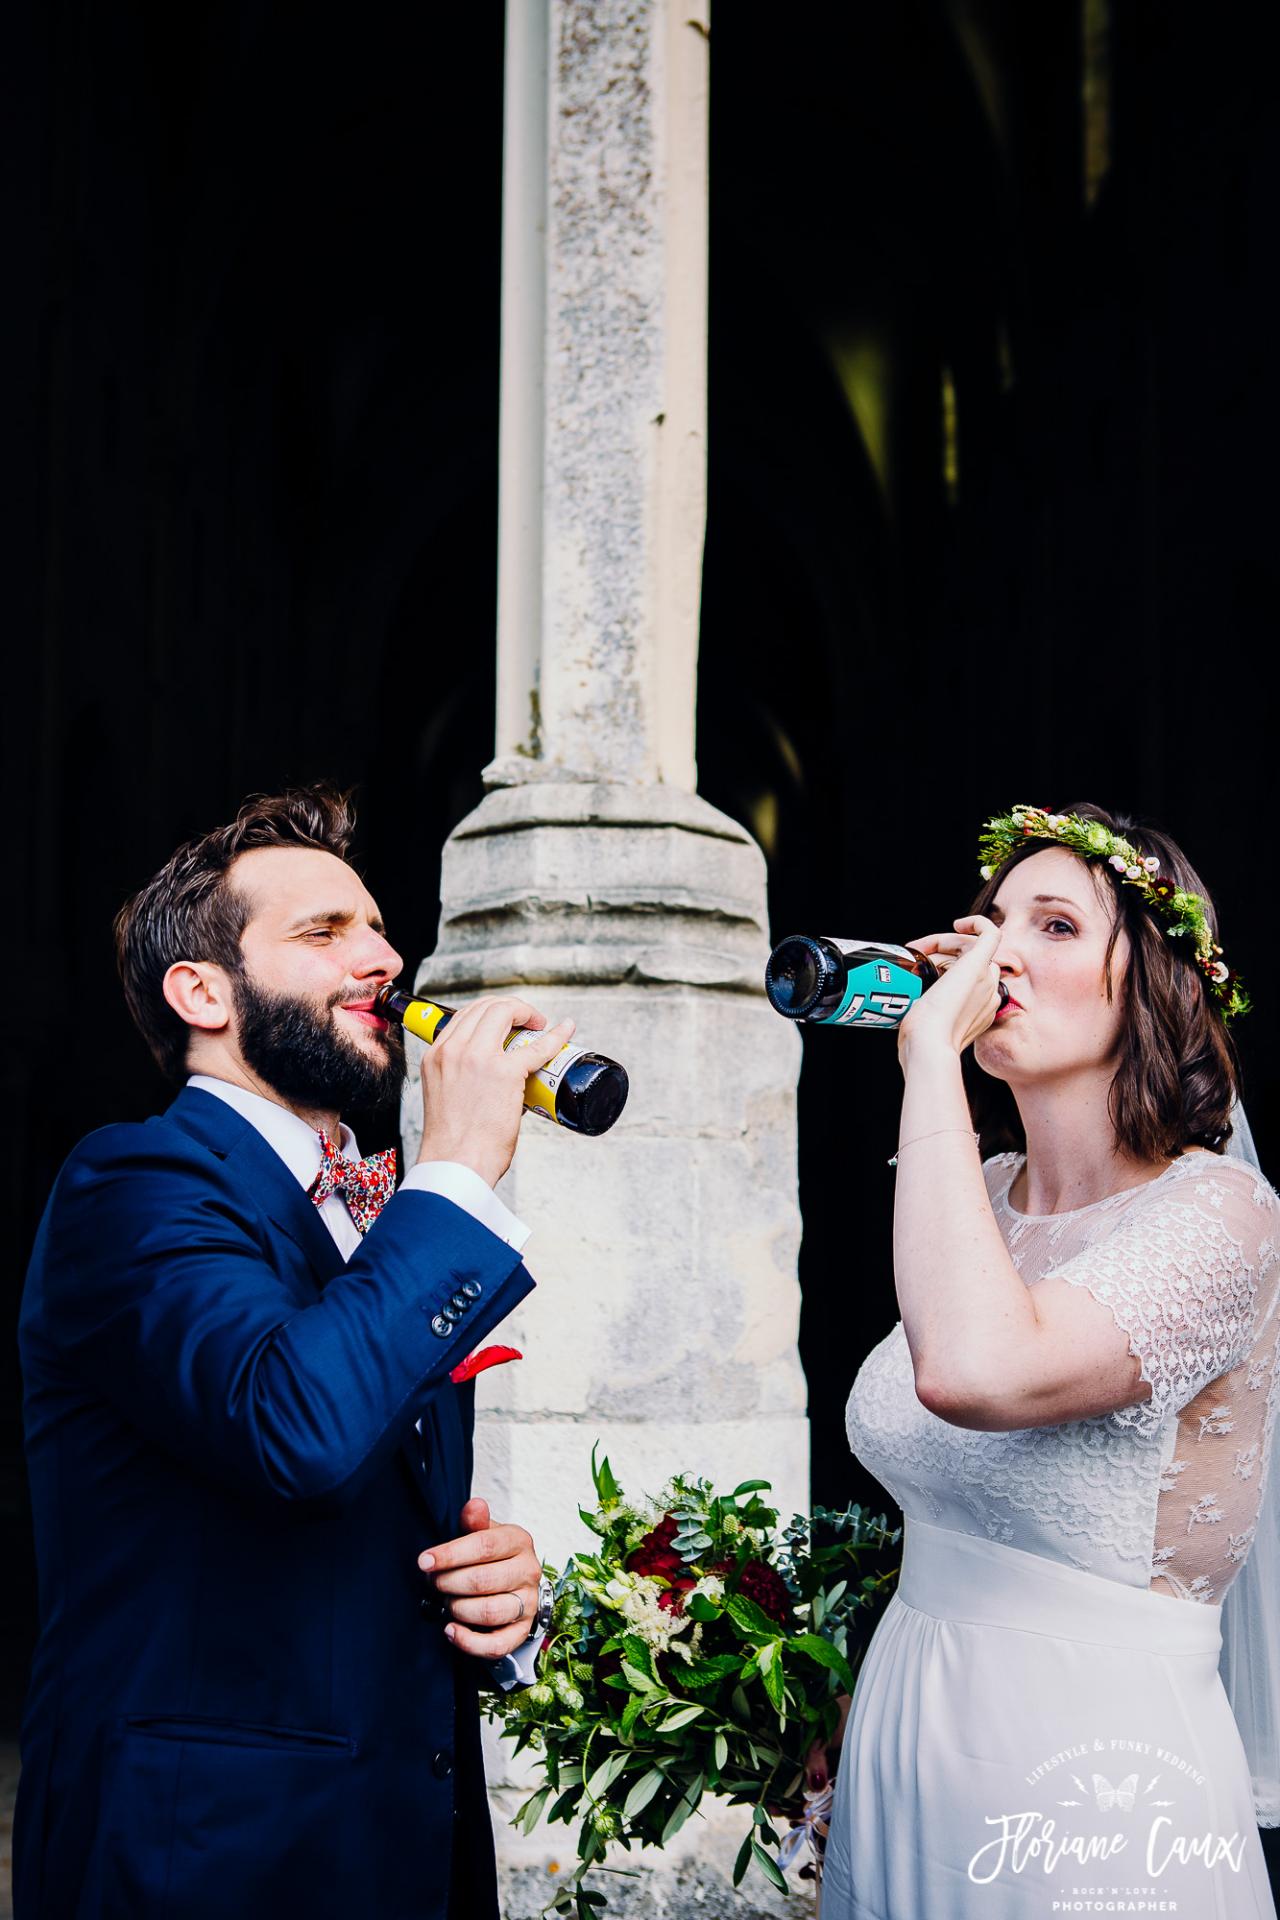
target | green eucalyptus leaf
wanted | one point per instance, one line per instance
(566, 1806)
(684, 1806)
(775, 1683)
(680, 1718)
(631, 1713)
(642, 1792)
(530, 1813)
(768, 1866)
(605, 1775)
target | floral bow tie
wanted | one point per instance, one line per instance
(365, 1185)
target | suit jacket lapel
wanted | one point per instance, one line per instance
(267, 1180)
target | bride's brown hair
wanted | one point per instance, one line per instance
(1177, 1071)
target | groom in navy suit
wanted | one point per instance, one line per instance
(265, 1597)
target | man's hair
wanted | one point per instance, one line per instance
(1176, 1067)
(191, 909)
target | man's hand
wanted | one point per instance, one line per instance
(473, 1090)
(484, 1574)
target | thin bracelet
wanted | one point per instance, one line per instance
(931, 1136)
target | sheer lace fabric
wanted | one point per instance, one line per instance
(1164, 1493)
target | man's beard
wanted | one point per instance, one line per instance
(292, 1044)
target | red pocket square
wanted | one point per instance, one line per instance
(485, 1357)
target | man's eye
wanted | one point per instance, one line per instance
(320, 933)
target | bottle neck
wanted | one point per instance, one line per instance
(426, 1018)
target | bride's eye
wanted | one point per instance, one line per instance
(1051, 924)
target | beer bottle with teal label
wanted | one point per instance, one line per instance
(845, 983)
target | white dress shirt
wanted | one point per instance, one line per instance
(298, 1145)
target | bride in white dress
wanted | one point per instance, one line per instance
(1075, 1415)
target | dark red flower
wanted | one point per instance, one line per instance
(764, 1585)
(671, 1599)
(655, 1556)
(654, 1562)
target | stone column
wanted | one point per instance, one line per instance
(591, 875)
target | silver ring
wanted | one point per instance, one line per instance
(519, 1600)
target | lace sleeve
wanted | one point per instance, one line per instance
(1180, 1275)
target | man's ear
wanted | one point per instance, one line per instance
(199, 993)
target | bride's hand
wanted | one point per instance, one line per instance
(963, 1004)
(822, 1758)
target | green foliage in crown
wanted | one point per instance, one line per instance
(1181, 914)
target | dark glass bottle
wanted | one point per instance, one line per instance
(579, 1089)
(845, 983)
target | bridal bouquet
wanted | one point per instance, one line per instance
(697, 1648)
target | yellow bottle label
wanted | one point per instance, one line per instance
(541, 1087)
(423, 1017)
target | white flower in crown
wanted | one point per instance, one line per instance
(986, 872)
(1219, 971)
(1151, 864)
(1117, 861)
(1134, 873)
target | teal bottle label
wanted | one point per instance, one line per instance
(877, 994)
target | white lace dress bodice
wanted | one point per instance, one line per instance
(1165, 1493)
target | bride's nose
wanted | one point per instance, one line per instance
(1007, 957)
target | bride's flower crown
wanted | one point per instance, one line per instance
(1181, 913)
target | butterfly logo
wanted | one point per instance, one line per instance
(1106, 1796)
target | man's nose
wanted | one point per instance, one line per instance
(380, 958)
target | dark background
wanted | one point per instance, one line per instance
(992, 445)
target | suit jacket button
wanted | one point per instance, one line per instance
(472, 1289)
(441, 1326)
(442, 1764)
(432, 1606)
(460, 1303)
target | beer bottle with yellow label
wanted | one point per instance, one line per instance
(579, 1089)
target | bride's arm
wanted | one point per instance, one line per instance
(986, 1350)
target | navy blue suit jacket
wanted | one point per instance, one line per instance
(242, 1702)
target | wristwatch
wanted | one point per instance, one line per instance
(518, 1669)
